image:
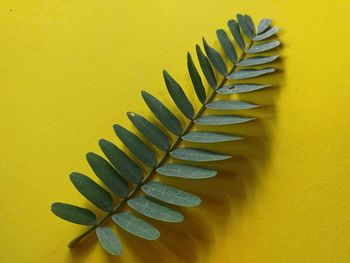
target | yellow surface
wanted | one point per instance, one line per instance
(71, 69)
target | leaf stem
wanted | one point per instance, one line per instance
(165, 157)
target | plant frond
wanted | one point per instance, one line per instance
(135, 185)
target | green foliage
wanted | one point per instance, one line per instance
(134, 185)
(185, 171)
(155, 210)
(170, 195)
(109, 240)
(208, 137)
(135, 225)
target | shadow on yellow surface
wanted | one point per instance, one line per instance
(223, 196)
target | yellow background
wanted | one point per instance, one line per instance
(71, 69)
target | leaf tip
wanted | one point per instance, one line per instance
(144, 93)
(117, 127)
(130, 114)
(102, 142)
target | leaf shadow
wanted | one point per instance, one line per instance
(223, 197)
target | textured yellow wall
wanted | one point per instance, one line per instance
(71, 69)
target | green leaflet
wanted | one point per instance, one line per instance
(208, 137)
(136, 146)
(162, 113)
(152, 209)
(230, 105)
(136, 226)
(109, 240)
(108, 175)
(178, 96)
(226, 45)
(206, 68)
(221, 120)
(250, 73)
(185, 171)
(92, 191)
(234, 28)
(215, 58)
(170, 195)
(258, 48)
(197, 155)
(196, 79)
(244, 23)
(258, 60)
(150, 131)
(272, 31)
(74, 213)
(126, 167)
(263, 25)
(250, 23)
(240, 88)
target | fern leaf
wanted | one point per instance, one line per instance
(146, 195)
